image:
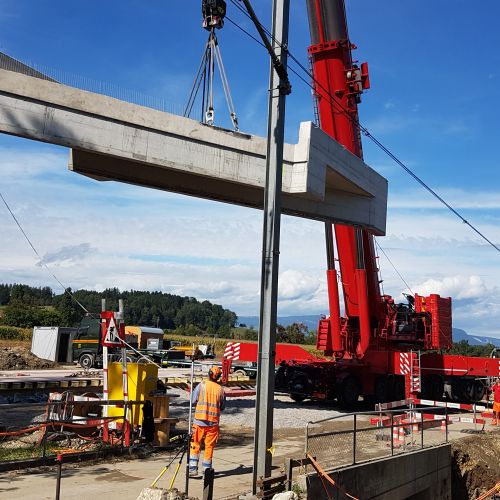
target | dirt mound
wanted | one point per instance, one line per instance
(475, 464)
(20, 358)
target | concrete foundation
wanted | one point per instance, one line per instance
(421, 475)
(116, 140)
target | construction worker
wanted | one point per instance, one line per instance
(209, 400)
(496, 403)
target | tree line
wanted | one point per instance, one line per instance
(27, 306)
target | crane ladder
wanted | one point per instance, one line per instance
(415, 372)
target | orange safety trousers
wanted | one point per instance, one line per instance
(496, 412)
(208, 434)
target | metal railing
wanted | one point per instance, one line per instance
(354, 438)
(89, 84)
(56, 418)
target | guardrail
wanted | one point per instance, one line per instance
(353, 438)
(66, 419)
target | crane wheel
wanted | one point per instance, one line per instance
(382, 392)
(348, 390)
(479, 390)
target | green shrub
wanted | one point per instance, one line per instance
(14, 333)
(28, 317)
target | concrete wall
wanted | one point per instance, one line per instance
(421, 475)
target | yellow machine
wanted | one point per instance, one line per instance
(140, 336)
(142, 380)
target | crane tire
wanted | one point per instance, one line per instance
(348, 390)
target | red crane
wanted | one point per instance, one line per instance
(379, 349)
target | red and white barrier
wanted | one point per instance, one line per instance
(446, 404)
(393, 404)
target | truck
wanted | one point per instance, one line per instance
(148, 341)
(379, 349)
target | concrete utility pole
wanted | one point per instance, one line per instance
(279, 88)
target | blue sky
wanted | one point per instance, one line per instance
(434, 101)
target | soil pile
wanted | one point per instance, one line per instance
(20, 358)
(475, 465)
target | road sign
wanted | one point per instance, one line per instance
(112, 332)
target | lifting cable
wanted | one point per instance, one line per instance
(393, 266)
(335, 101)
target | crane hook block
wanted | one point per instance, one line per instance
(213, 12)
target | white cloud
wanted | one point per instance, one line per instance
(98, 235)
(295, 285)
(459, 287)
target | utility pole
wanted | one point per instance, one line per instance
(279, 87)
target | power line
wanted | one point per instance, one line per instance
(66, 289)
(333, 100)
(41, 261)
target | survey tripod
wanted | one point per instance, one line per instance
(185, 441)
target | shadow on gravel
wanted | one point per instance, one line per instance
(240, 439)
(236, 405)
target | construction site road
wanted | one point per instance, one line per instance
(124, 480)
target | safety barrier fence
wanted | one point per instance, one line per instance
(63, 426)
(354, 438)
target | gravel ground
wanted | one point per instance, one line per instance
(240, 412)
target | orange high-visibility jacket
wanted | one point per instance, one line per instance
(209, 402)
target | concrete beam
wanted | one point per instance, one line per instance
(116, 140)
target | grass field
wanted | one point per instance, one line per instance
(221, 343)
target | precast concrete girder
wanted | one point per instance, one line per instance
(116, 140)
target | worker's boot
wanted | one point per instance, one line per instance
(193, 472)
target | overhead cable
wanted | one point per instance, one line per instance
(41, 261)
(335, 101)
(66, 289)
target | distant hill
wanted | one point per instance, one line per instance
(311, 321)
(459, 334)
